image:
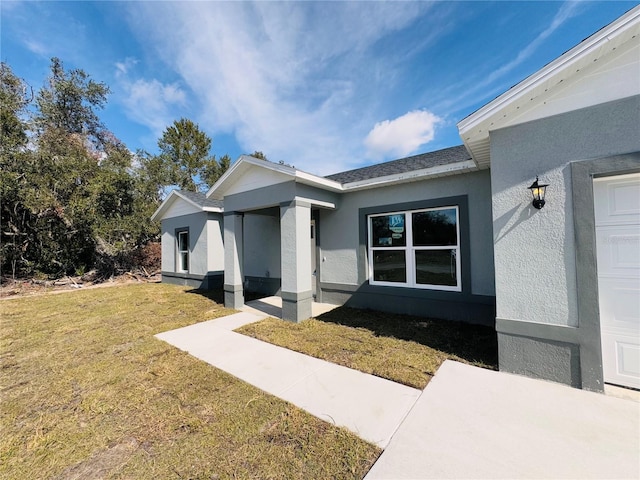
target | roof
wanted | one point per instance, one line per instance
(271, 172)
(580, 68)
(447, 156)
(195, 199)
(200, 199)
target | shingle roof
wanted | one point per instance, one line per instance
(446, 156)
(201, 200)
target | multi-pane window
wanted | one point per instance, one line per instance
(419, 248)
(183, 250)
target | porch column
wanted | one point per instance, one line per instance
(233, 262)
(295, 246)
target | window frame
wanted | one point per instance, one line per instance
(410, 250)
(179, 253)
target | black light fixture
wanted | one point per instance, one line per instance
(538, 191)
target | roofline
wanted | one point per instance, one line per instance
(411, 176)
(334, 186)
(584, 48)
(295, 174)
(176, 193)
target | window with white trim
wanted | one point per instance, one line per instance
(416, 249)
(183, 250)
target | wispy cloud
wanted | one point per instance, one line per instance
(149, 102)
(403, 135)
(493, 83)
(295, 80)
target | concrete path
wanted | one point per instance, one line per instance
(369, 406)
(473, 423)
(468, 423)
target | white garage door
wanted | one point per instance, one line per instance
(617, 212)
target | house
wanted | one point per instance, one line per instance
(454, 233)
(191, 233)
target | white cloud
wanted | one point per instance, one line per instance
(294, 80)
(151, 103)
(403, 135)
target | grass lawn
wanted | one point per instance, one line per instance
(401, 348)
(87, 392)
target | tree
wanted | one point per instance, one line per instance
(259, 155)
(213, 170)
(185, 151)
(68, 102)
(14, 167)
(184, 158)
(72, 196)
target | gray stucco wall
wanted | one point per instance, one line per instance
(262, 252)
(535, 250)
(342, 251)
(202, 226)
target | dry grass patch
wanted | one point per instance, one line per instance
(88, 392)
(401, 348)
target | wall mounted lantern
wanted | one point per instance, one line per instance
(538, 191)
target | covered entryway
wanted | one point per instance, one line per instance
(617, 221)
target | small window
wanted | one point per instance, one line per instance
(418, 249)
(183, 251)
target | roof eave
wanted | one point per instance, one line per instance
(476, 141)
(412, 176)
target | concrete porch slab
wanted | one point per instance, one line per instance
(272, 306)
(479, 424)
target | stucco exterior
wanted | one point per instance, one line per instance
(343, 262)
(536, 250)
(206, 261)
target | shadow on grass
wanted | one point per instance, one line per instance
(216, 295)
(473, 343)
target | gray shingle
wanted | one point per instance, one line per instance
(445, 156)
(201, 200)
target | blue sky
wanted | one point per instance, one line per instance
(324, 86)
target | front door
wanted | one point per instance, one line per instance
(617, 216)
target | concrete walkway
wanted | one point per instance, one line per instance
(371, 407)
(468, 423)
(475, 423)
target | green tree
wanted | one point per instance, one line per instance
(259, 155)
(214, 169)
(185, 158)
(69, 101)
(184, 150)
(15, 95)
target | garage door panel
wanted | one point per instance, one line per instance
(618, 200)
(620, 304)
(625, 352)
(617, 210)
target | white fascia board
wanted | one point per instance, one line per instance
(172, 197)
(237, 165)
(246, 161)
(166, 203)
(413, 176)
(554, 68)
(317, 203)
(320, 182)
(213, 209)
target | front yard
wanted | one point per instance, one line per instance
(88, 392)
(401, 348)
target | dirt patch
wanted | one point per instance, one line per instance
(102, 463)
(12, 288)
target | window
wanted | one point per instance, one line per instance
(418, 249)
(183, 250)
